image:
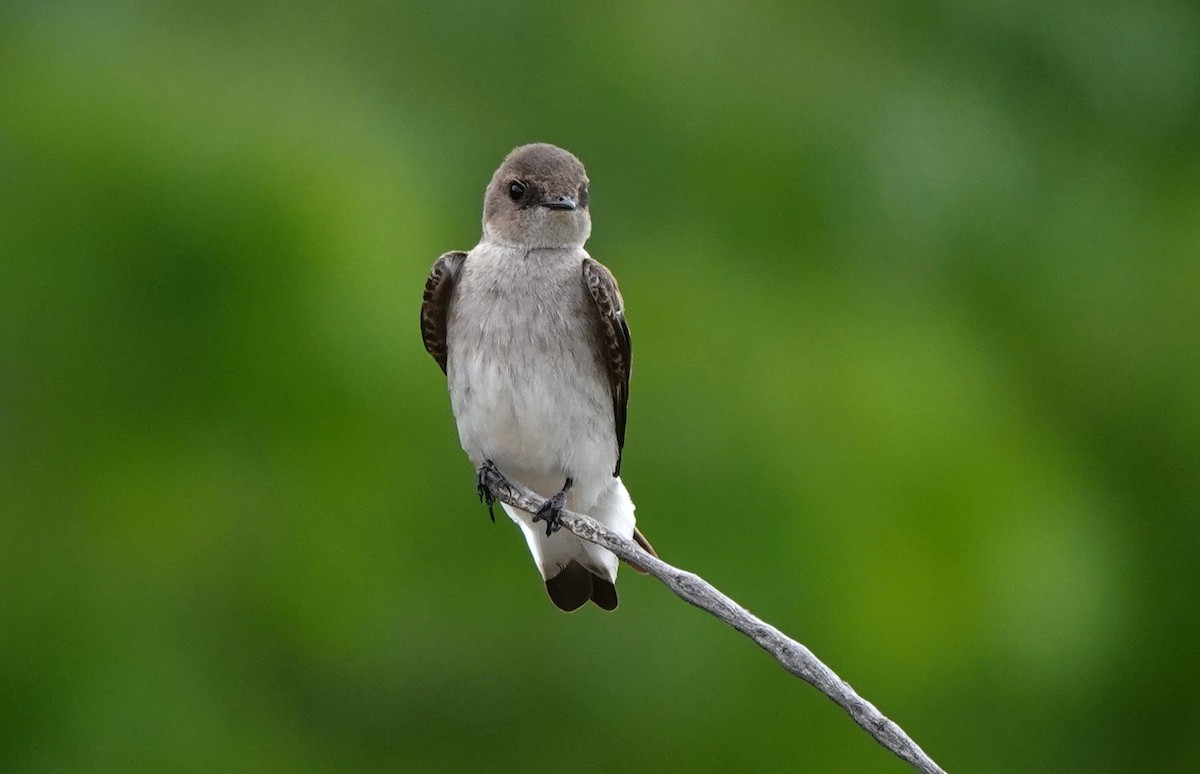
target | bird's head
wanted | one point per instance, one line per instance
(538, 198)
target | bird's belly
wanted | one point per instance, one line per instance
(541, 412)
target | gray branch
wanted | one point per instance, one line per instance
(794, 657)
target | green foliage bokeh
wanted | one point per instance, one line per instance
(913, 292)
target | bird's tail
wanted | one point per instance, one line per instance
(575, 585)
(575, 570)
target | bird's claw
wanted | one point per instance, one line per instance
(489, 472)
(551, 512)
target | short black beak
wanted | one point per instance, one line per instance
(560, 203)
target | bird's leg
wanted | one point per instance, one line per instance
(551, 510)
(487, 477)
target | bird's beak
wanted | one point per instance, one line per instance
(560, 203)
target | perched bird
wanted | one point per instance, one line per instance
(530, 332)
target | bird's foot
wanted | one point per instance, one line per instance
(552, 510)
(486, 478)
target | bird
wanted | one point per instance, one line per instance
(530, 332)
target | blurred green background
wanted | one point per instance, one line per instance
(913, 290)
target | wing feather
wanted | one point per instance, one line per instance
(439, 290)
(615, 347)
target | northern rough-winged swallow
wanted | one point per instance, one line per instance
(530, 332)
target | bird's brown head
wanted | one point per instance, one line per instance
(538, 198)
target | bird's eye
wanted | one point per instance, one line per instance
(583, 195)
(516, 190)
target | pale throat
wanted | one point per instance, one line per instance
(546, 236)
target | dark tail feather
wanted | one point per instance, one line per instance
(571, 588)
(604, 593)
(575, 585)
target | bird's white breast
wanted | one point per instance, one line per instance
(527, 386)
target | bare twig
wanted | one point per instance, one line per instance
(794, 657)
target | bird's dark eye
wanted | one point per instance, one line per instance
(583, 195)
(516, 190)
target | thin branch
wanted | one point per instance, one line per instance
(794, 657)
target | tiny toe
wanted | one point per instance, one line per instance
(484, 489)
(551, 513)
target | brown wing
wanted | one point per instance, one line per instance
(439, 289)
(615, 349)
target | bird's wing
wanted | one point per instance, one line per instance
(613, 335)
(439, 289)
